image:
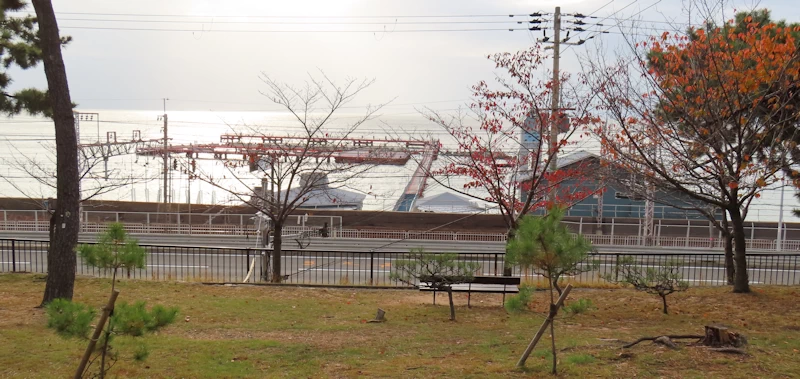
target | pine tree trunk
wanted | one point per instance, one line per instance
(452, 307)
(555, 285)
(65, 221)
(741, 283)
(277, 243)
(553, 345)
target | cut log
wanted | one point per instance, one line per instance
(729, 350)
(664, 340)
(671, 337)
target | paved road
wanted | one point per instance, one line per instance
(365, 268)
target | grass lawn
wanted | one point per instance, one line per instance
(248, 331)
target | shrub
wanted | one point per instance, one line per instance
(579, 306)
(661, 280)
(141, 353)
(440, 271)
(520, 301)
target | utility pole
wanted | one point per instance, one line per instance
(554, 101)
(779, 240)
(554, 109)
(574, 23)
(166, 153)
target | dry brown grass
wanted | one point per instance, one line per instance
(255, 331)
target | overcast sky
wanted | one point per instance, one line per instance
(214, 60)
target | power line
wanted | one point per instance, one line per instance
(283, 16)
(618, 23)
(293, 31)
(296, 22)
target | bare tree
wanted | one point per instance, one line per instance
(96, 178)
(281, 173)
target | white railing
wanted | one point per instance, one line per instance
(242, 229)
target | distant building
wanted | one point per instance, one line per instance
(322, 196)
(607, 194)
(447, 202)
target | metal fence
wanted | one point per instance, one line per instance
(232, 265)
(613, 238)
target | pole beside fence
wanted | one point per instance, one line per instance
(13, 256)
(371, 268)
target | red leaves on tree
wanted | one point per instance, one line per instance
(491, 151)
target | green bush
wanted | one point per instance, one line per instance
(662, 280)
(69, 319)
(579, 306)
(520, 301)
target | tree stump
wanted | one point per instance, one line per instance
(380, 316)
(719, 336)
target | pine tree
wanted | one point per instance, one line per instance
(546, 246)
(25, 42)
(114, 250)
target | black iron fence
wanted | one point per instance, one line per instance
(237, 265)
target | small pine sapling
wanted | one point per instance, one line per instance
(439, 271)
(662, 280)
(114, 250)
(73, 320)
(544, 244)
(548, 247)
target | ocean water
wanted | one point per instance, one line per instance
(27, 149)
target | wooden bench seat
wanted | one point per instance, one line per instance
(482, 284)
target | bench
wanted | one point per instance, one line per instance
(482, 284)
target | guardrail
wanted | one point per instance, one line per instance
(225, 265)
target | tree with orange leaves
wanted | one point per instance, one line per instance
(707, 114)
